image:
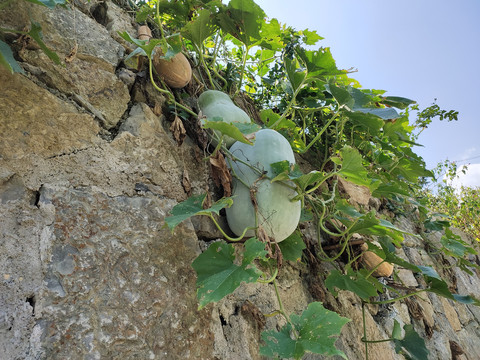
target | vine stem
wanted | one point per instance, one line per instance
(202, 61)
(12, 30)
(166, 92)
(282, 309)
(244, 64)
(364, 330)
(319, 134)
(223, 232)
(290, 104)
(397, 298)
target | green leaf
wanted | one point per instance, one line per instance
(352, 166)
(269, 117)
(194, 206)
(284, 170)
(370, 122)
(412, 345)
(319, 63)
(7, 60)
(352, 281)
(383, 113)
(310, 37)
(243, 20)
(36, 33)
(146, 45)
(397, 330)
(292, 247)
(296, 74)
(398, 102)
(48, 3)
(343, 97)
(235, 130)
(143, 13)
(200, 28)
(317, 329)
(311, 179)
(217, 273)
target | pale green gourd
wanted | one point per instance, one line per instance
(277, 214)
(214, 103)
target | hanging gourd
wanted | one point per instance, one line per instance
(275, 210)
(216, 104)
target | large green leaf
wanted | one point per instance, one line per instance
(319, 63)
(383, 113)
(352, 281)
(243, 20)
(217, 273)
(200, 28)
(438, 286)
(316, 331)
(194, 206)
(295, 73)
(343, 97)
(7, 60)
(352, 168)
(412, 345)
(397, 101)
(370, 122)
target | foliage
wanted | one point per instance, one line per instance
(459, 206)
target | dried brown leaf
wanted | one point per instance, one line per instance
(220, 173)
(207, 203)
(187, 186)
(178, 130)
(157, 109)
(73, 54)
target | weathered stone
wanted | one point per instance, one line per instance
(34, 121)
(62, 28)
(356, 193)
(105, 92)
(451, 315)
(102, 272)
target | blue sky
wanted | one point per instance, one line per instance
(420, 49)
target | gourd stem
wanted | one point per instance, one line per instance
(12, 30)
(273, 277)
(223, 232)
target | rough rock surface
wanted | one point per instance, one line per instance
(88, 173)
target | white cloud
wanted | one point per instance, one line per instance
(470, 179)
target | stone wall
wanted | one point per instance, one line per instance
(88, 171)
